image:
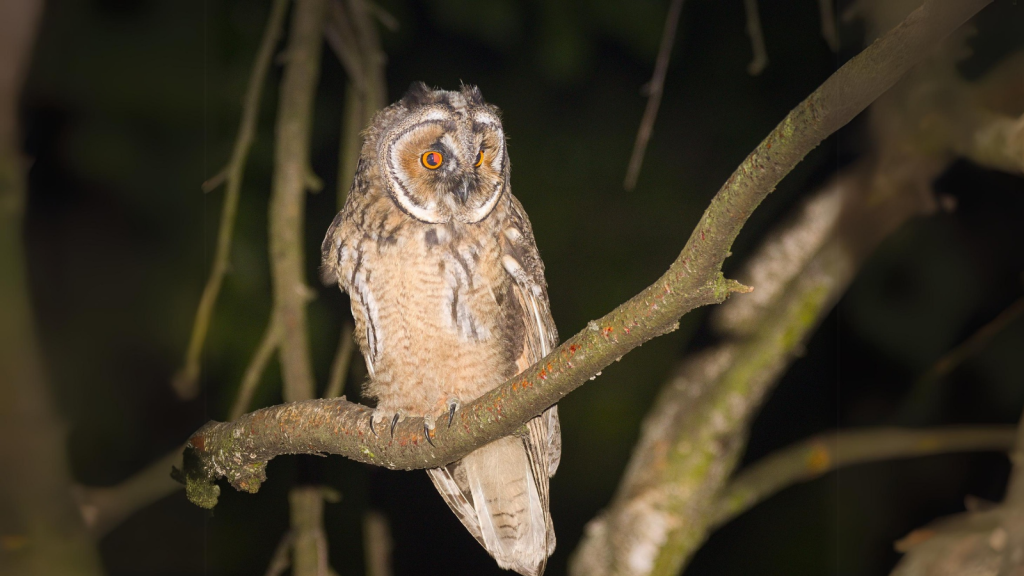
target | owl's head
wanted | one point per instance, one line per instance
(442, 154)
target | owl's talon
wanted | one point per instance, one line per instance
(372, 429)
(426, 433)
(453, 405)
(394, 422)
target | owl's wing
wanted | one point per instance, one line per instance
(521, 260)
(347, 257)
(542, 441)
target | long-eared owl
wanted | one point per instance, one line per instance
(449, 300)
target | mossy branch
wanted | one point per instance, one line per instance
(239, 450)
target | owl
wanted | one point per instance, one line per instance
(449, 300)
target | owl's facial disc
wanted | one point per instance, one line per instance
(446, 163)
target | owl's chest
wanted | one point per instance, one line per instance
(440, 288)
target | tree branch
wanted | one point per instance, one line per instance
(239, 450)
(814, 457)
(185, 383)
(342, 360)
(654, 90)
(43, 532)
(696, 431)
(377, 544)
(269, 343)
(104, 508)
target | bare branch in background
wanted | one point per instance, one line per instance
(282, 559)
(269, 343)
(287, 264)
(353, 36)
(975, 343)
(828, 24)
(43, 533)
(760, 58)
(308, 541)
(980, 542)
(654, 90)
(342, 360)
(377, 544)
(814, 457)
(239, 450)
(288, 196)
(104, 508)
(186, 381)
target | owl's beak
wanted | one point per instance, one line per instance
(462, 190)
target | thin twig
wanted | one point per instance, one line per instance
(281, 560)
(342, 359)
(269, 344)
(921, 399)
(811, 458)
(760, 58)
(654, 91)
(239, 450)
(974, 344)
(185, 382)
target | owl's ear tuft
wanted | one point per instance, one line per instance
(419, 94)
(472, 94)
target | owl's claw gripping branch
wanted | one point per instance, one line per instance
(238, 451)
(451, 412)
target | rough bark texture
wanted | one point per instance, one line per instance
(238, 451)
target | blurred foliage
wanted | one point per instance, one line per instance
(131, 105)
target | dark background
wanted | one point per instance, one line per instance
(131, 105)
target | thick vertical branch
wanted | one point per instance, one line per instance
(288, 199)
(44, 533)
(291, 294)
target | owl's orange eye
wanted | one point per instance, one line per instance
(432, 160)
(479, 158)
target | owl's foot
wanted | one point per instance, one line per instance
(380, 415)
(453, 405)
(428, 428)
(394, 422)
